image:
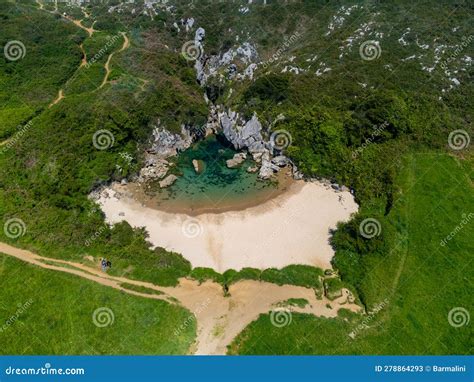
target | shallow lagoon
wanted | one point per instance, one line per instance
(215, 187)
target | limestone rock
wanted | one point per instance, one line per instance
(155, 168)
(267, 169)
(280, 161)
(166, 144)
(168, 181)
(237, 160)
(252, 169)
(196, 165)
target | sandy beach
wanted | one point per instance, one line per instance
(292, 228)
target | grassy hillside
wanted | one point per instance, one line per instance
(415, 284)
(53, 313)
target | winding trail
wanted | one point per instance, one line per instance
(58, 98)
(125, 45)
(89, 30)
(219, 318)
(84, 56)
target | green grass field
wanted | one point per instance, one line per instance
(416, 283)
(47, 312)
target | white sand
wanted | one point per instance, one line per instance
(293, 228)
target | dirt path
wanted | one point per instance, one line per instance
(219, 318)
(58, 98)
(89, 30)
(125, 45)
(41, 6)
(84, 56)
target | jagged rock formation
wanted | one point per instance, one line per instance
(237, 160)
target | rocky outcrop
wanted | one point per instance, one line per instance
(196, 165)
(165, 144)
(168, 181)
(155, 168)
(237, 160)
(280, 161)
(243, 136)
(268, 168)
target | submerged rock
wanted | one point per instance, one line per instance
(196, 165)
(252, 169)
(168, 181)
(237, 160)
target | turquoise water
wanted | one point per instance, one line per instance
(215, 186)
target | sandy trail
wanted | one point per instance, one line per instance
(41, 6)
(58, 98)
(292, 228)
(219, 318)
(125, 45)
(89, 30)
(84, 56)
